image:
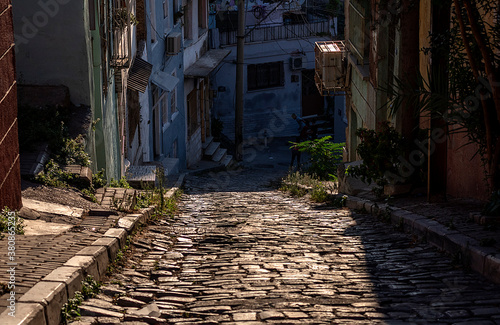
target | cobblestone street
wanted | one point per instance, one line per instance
(241, 252)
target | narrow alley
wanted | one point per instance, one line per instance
(241, 252)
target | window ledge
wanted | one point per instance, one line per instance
(265, 89)
(363, 70)
(174, 116)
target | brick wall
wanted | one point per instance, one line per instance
(10, 181)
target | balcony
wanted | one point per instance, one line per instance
(122, 37)
(273, 33)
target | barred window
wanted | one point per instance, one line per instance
(265, 75)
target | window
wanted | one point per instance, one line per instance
(175, 150)
(160, 103)
(192, 112)
(166, 25)
(359, 40)
(152, 18)
(173, 98)
(165, 9)
(202, 14)
(164, 108)
(188, 20)
(265, 75)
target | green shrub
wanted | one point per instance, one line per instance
(53, 175)
(319, 193)
(98, 179)
(325, 156)
(381, 151)
(73, 152)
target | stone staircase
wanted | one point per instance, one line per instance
(214, 152)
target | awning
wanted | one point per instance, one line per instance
(138, 75)
(206, 64)
(164, 80)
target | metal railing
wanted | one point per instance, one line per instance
(271, 33)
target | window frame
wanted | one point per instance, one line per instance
(265, 75)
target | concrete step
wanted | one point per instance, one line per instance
(171, 166)
(211, 149)
(141, 176)
(207, 142)
(219, 154)
(228, 160)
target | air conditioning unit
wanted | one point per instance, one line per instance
(330, 70)
(173, 45)
(296, 63)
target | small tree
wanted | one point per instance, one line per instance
(325, 156)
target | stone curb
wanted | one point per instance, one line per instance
(483, 260)
(41, 305)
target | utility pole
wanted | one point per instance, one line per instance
(238, 116)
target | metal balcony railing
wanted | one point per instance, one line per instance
(272, 33)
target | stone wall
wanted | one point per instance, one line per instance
(10, 181)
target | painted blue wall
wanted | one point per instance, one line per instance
(176, 127)
(266, 111)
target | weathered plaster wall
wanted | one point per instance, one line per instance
(266, 111)
(193, 143)
(193, 49)
(52, 45)
(10, 179)
(465, 176)
(176, 127)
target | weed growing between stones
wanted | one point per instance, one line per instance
(10, 220)
(121, 257)
(71, 310)
(300, 184)
(121, 183)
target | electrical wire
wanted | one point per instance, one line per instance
(153, 27)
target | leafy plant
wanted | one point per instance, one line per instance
(53, 175)
(73, 152)
(381, 151)
(122, 182)
(90, 287)
(90, 195)
(8, 218)
(319, 193)
(71, 310)
(98, 179)
(325, 156)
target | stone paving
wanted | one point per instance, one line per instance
(240, 252)
(38, 255)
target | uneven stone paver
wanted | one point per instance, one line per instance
(240, 252)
